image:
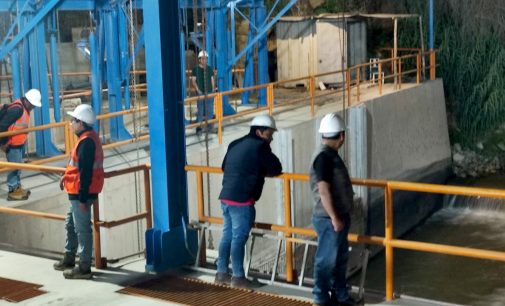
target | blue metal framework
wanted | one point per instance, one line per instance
(168, 244)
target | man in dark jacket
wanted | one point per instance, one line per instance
(247, 162)
(83, 181)
(333, 198)
(16, 118)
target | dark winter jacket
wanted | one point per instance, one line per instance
(246, 164)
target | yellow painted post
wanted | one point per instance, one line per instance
(418, 68)
(270, 98)
(199, 200)
(288, 223)
(66, 136)
(433, 67)
(312, 89)
(147, 196)
(348, 85)
(380, 78)
(218, 105)
(388, 202)
(99, 261)
(399, 73)
(358, 80)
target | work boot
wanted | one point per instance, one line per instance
(222, 278)
(78, 273)
(244, 283)
(67, 262)
(18, 194)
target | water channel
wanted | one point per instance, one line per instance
(463, 221)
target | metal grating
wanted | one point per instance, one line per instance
(17, 291)
(193, 292)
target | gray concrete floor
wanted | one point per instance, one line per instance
(102, 289)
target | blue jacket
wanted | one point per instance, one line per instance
(246, 164)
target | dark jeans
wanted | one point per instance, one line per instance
(238, 221)
(330, 264)
(205, 111)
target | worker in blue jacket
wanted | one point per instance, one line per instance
(246, 164)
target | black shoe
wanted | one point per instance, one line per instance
(67, 262)
(78, 273)
(244, 283)
(222, 278)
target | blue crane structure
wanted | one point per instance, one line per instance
(168, 243)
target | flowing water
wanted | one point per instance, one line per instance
(464, 221)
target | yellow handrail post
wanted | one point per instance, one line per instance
(288, 224)
(147, 197)
(380, 78)
(418, 68)
(348, 85)
(65, 139)
(312, 89)
(433, 67)
(201, 214)
(99, 261)
(270, 98)
(388, 201)
(358, 80)
(218, 110)
(399, 73)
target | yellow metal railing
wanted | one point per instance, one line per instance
(220, 118)
(389, 242)
(97, 223)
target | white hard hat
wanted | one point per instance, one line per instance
(331, 125)
(33, 96)
(84, 113)
(264, 121)
(203, 53)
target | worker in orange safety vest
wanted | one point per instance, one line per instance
(83, 181)
(17, 117)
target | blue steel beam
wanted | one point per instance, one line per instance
(262, 31)
(166, 242)
(66, 5)
(262, 54)
(16, 74)
(431, 29)
(27, 28)
(54, 67)
(96, 88)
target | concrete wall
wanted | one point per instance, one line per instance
(400, 136)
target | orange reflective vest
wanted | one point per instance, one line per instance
(72, 176)
(22, 123)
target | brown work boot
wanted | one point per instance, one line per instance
(18, 194)
(78, 273)
(222, 278)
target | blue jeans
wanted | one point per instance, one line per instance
(79, 234)
(14, 155)
(238, 221)
(330, 264)
(205, 111)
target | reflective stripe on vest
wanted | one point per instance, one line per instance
(72, 177)
(22, 123)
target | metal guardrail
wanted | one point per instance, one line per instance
(389, 242)
(100, 262)
(220, 118)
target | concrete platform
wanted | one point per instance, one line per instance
(101, 290)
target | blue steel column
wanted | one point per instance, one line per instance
(27, 81)
(431, 26)
(262, 52)
(249, 59)
(42, 114)
(96, 88)
(123, 49)
(16, 74)
(165, 243)
(54, 69)
(117, 130)
(223, 54)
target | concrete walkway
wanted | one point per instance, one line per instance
(101, 290)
